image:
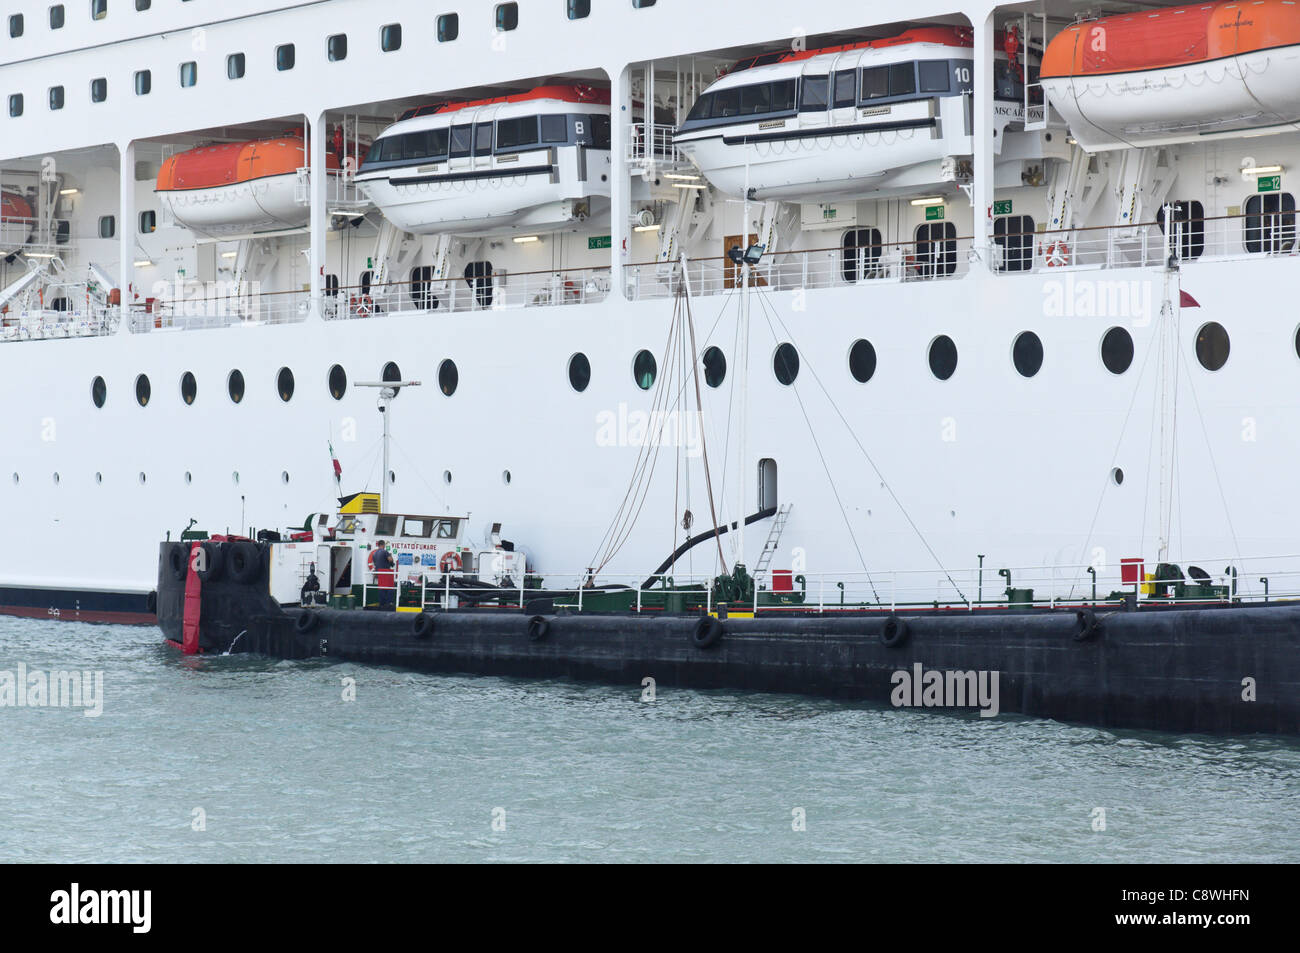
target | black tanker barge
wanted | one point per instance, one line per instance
(1228, 668)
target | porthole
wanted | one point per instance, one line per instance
(943, 357)
(644, 369)
(17, 479)
(284, 384)
(392, 373)
(338, 382)
(189, 478)
(1212, 346)
(1027, 354)
(1297, 342)
(579, 372)
(99, 478)
(506, 477)
(142, 390)
(446, 477)
(235, 386)
(1117, 476)
(715, 366)
(98, 392)
(143, 478)
(1117, 350)
(284, 477)
(862, 361)
(785, 363)
(392, 477)
(189, 388)
(448, 378)
(57, 478)
(234, 478)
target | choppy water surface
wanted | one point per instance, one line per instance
(418, 767)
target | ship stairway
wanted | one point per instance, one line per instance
(1142, 179)
(773, 538)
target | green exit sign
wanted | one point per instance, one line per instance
(599, 241)
(1268, 183)
(933, 213)
(1002, 208)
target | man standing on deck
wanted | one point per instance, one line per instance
(381, 562)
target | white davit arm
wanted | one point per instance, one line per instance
(100, 282)
(19, 286)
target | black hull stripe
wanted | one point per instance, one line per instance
(466, 176)
(816, 133)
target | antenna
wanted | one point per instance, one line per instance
(388, 391)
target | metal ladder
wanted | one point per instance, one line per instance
(773, 537)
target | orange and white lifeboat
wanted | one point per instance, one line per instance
(16, 221)
(1180, 74)
(238, 188)
(535, 161)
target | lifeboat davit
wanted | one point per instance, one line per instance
(533, 161)
(882, 116)
(238, 188)
(16, 221)
(1177, 75)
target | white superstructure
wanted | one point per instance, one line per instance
(957, 349)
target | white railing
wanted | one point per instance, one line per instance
(219, 312)
(50, 325)
(655, 147)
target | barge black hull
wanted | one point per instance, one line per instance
(1231, 669)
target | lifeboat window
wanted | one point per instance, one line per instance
(56, 17)
(189, 74)
(390, 37)
(1270, 222)
(56, 97)
(1189, 228)
(421, 288)
(16, 105)
(448, 378)
(579, 372)
(785, 363)
(579, 9)
(507, 16)
(934, 76)
(554, 129)
(98, 9)
(366, 278)
(107, 226)
(478, 275)
(1014, 234)
(331, 286)
(148, 222)
(461, 137)
(726, 103)
(846, 93)
(600, 132)
(702, 109)
(98, 90)
(756, 100)
(875, 82)
(235, 66)
(16, 26)
(515, 133)
(644, 369)
(902, 79)
(861, 257)
(336, 47)
(715, 366)
(286, 56)
(143, 82)
(284, 384)
(438, 140)
(812, 95)
(936, 249)
(448, 27)
(483, 139)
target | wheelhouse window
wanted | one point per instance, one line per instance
(813, 93)
(336, 47)
(189, 74)
(861, 254)
(845, 88)
(936, 249)
(390, 37)
(507, 17)
(448, 27)
(57, 17)
(235, 65)
(1014, 234)
(286, 56)
(143, 82)
(1189, 228)
(1270, 223)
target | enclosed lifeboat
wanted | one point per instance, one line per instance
(1177, 75)
(883, 116)
(16, 221)
(537, 160)
(238, 188)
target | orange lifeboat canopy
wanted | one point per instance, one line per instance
(14, 207)
(1178, 36)
(209, 167)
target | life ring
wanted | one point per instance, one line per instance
(422, 625)
(894, 632)
(1057, 254)
(211, 562)
(365, 306)
(571, 290)
(450, 562)
(306, 621)
(245, 562)
(706, 633)
(1086, 625)
(538, 626)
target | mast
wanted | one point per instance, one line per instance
(743, 356)
(1168, 338)
(388, 391)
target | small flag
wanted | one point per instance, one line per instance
(1187, 301)
(338, 469)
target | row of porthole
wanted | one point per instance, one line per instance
(336, 382)
(506, 477)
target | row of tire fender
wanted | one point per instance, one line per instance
(241, 560)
